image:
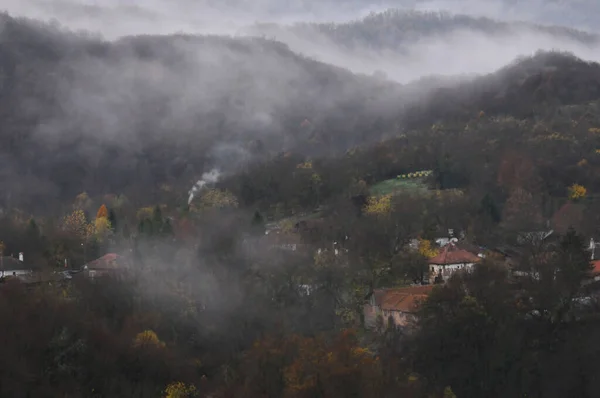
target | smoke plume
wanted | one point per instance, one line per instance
(210, 177)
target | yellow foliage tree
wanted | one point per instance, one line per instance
(102, 228)
(577, 191)
(76, 224)
(179, 389)
(216, 198)
(147, 338)
(379, 205)
(426, 249)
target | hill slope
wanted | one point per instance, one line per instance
(408, 45)
(80, 114)
(77, 113)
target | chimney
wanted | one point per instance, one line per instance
(21, 256)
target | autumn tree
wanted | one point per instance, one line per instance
(102, 212)
(577, 192)
(102, 226)
(521, 211)
(76, 224)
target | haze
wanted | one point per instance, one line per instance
(458, 53)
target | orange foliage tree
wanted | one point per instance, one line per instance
(102, 212)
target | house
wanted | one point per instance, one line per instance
(109, 264)
(450, 260)
(397, 304)
(14, 267)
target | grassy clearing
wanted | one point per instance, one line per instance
(396, 185)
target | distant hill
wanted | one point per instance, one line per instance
(395, 28)
(529, 86)
(407, 45)
(78, 113)
(131, 116)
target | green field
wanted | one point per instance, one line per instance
(396, 185)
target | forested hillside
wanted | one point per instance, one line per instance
(211, 216)
(396, 29)
(82, 114)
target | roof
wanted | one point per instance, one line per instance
(108, 261)
(11, 263)
(596, 267)
(451, 254)
(401, 299)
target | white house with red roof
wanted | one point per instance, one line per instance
(450, 260)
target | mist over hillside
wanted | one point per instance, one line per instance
(225, 199)
(83, 114)
(165, 107)
(115, 18)
(408, 45)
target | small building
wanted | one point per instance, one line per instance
(14, 267)
(397, 304)
(450, 260)
(109, 264)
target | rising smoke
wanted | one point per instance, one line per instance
(210, 177)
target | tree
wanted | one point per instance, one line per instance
(426, 249)
(179, 389)
(102, 228)
(102, 212)
(577, 192)
(147, 338)
(77, 225)
(82, 202)
(257, 219)
(521, 211)
(215, 199)
(112, 219)
(379, 206)
(409, 266)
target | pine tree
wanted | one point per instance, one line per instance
(257, 219)
(112, 218)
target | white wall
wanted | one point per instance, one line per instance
(448, 270)
(17, 272)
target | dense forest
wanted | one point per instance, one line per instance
(316, 191)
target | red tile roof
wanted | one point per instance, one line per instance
(596, 269)
(401, 299)
(108, 261)
(451, 254)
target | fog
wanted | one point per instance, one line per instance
(459, 52)
(197, 102)
(115, 18)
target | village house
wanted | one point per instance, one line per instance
(398, 305)
(110, 264)
(449, 260)
(14, 267)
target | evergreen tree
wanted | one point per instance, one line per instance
(257, 219)
(112, 218)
